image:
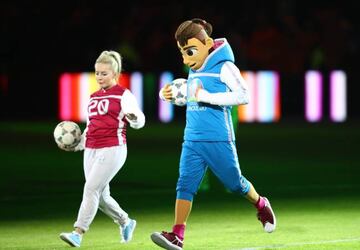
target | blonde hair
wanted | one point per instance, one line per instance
(112, 58)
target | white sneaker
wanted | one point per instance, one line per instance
(127, 231)
(73, 238)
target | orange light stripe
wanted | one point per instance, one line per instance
(124, 80)
(242, 108)
(277, 99)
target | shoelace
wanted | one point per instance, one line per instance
(175, 239)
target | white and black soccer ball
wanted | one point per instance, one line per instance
(67, 134)
(179, 91)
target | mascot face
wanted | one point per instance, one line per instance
(195, 52)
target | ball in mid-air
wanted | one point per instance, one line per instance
(67, 134)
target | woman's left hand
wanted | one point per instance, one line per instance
(131, 116)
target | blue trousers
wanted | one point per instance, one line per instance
(220, 157)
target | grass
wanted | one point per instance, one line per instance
(309, 172)
(228, 224)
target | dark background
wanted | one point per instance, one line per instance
(309, 171)
(42, 39)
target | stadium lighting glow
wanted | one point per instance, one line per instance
(124, 80)
(313, 96)
(136, 83)
(267, 96)
(263, 106)
(65, 97)
(338, 111)
(166, 109)
(264, 95)
(75, 90)
(247, 113)
(84, 95)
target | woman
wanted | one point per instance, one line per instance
(110, 110)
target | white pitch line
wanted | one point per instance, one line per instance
(299, 244)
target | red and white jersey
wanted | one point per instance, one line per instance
(106, 124)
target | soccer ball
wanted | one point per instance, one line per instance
(67, 134)
(179, 91)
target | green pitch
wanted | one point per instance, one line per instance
(303, 224)
(310, 173)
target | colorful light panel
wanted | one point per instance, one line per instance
(166, 109)
(136, 88)
(313, 96)
(264, 103)
(338, 107)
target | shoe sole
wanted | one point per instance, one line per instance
(161, 241)
(64, 238)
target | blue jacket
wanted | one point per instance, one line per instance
(206, 122)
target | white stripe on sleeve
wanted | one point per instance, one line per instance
(237, 93)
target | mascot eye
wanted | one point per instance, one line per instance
(191, 52)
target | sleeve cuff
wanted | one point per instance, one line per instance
(202, 96)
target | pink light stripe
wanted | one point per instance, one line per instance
(313, 96)
(64, 97)
(338, 110)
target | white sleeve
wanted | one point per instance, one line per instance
(81, 145)
(238, 94)
(129, 105)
